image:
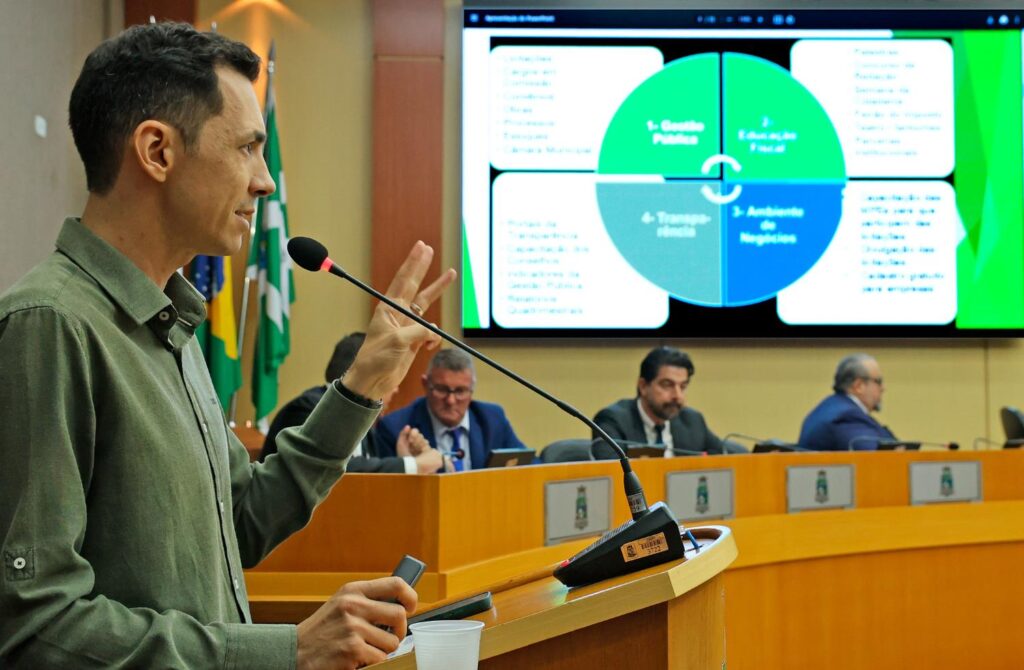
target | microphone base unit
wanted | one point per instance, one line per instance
(898, 445)
(774, 446)
(652, 539)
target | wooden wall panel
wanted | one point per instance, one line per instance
(403, 28)
(408, 105)
(139, 11)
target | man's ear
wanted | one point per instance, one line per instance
(423, 380)
(641, 385)
(155, 147)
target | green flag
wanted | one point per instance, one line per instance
(270, 266)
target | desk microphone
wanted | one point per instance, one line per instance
(948, 446)
(656, 527)
(979, 440)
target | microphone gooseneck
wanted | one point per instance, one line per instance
(310, 255)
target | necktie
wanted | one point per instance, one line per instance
(659, 434)
(457, 452)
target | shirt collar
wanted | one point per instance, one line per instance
(128, 286)
(857, 402)
(647, 421)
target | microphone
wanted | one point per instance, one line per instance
(979, 440)
(950, 446)
(603, 559)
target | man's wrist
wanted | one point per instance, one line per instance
(357, 397)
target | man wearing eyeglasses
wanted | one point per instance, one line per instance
(465, 430)
(843, 420)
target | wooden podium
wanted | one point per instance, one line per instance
(670, 617)
(471, 529)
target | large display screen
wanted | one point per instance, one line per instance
(742, 173)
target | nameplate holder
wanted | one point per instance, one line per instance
(696, 495)
(944, 481)
(575, 508)
(811, 487)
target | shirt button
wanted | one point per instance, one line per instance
(221, 503)
(164, 316)
(206, 428)
(19, 563)
(235, 582)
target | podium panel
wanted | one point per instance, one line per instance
(669, 617)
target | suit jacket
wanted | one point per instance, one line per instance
(295, 413)
(622, 421)
(838, 424)
(489, 429)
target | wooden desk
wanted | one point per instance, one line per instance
(883, 585)
(455, 521)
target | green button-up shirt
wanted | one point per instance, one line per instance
(127, 507)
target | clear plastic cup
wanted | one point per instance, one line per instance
(447, 645)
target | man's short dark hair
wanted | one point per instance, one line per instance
(661, 356)
(162, 71)
(344, 353)
(849, 370)
(455, 360)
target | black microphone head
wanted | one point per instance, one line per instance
(307, 253)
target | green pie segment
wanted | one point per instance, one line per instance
(774, 127)
(669, 124)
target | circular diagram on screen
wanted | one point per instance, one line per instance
(721, 179)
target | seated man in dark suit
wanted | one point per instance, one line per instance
(660, 404)
(843, 420)
(467, 430)
(414, 454)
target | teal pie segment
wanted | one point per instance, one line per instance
(670, 233)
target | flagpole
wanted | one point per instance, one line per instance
(247, 281)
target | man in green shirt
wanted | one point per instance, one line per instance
(128, 509)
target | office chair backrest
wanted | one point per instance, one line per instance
(564, 451)
(1013, 424)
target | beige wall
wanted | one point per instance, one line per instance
(42, 46)
(935, 391)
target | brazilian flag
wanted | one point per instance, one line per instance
(217, 335)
